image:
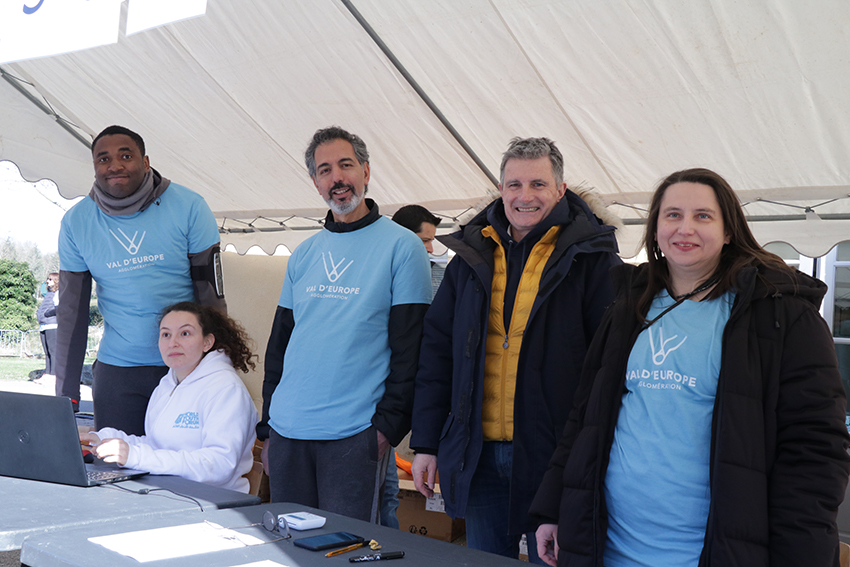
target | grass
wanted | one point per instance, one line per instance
(18, 368)
(13, 368)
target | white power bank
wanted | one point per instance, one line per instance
(303, 520)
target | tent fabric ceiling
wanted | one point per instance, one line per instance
(631, 91)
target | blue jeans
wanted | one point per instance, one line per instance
(488, 509)
(389, 497)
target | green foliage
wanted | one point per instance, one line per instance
(17, 296)
(95, 318)
(40, 264)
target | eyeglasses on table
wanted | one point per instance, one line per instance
(271, 523)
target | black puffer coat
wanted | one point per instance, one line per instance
(779, 461)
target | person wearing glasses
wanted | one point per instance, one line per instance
(708, 428)
(200, 421)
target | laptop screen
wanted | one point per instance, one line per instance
(39, 440)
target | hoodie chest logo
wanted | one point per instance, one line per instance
(188, 420)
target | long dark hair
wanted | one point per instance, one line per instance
(743, 250)
(229, 335)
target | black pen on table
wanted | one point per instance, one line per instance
(377, 556)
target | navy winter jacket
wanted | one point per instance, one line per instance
(574, 290)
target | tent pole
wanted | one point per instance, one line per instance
(425, 98)
(15, 82)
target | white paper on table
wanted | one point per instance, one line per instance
(266, 563)
(176, 541)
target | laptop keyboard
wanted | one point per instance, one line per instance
(97, 476)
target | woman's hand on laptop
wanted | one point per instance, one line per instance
(88, 439)
(113, 451)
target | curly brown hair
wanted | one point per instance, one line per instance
(229, 335)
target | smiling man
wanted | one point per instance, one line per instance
(147, 243)
(342, 355)
(503, 346)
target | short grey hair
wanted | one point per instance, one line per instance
(330, 134)
(534, 148)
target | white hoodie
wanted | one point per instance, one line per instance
(201, 429)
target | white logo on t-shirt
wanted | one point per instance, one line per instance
(332, 274)
(660, 355)
(130, 246)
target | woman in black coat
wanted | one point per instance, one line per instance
(46, 315)
(709, 425)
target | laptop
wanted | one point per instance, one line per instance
(39, 441)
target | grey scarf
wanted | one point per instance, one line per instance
(150, 190)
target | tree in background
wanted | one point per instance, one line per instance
(40, 264)
(17, 296)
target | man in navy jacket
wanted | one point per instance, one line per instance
(503, 346)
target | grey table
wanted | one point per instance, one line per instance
(71, 547)
(32, 508)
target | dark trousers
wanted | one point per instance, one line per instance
(48, 343)
(343, 476)
(121, 395)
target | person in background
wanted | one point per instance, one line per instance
(709, 424)
(420, 220)
(147, 243)
(503, 345)
(200, 420)
(46, 316)
(344, 345)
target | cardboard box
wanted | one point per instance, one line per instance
(425, 516)
(414, 517)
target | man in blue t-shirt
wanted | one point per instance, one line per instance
(344, 346)
(147, 243)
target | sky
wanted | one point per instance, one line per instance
(30, 211)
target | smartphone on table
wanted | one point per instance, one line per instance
(328, 541)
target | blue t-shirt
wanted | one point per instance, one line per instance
(140, 264)
(340, 287)
(657, 483)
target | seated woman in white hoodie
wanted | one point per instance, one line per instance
(200, 420)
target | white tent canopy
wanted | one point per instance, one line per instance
(630, 91)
